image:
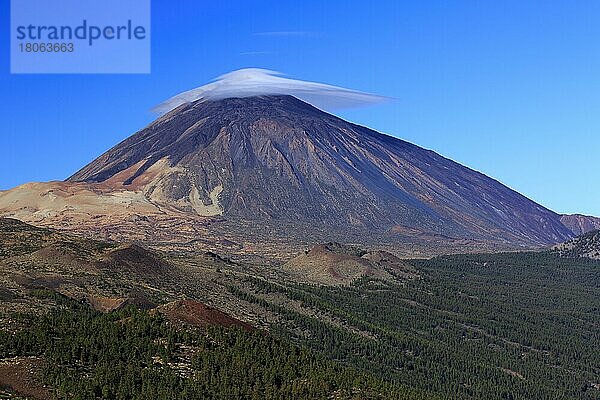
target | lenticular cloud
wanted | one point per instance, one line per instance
(255, 82)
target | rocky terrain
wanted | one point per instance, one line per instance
(334, 263)
(579, 224)
(268, 176)
(104, 275)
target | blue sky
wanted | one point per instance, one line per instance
(509, 88)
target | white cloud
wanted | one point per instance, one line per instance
(255, 82)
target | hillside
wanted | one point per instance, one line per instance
(334, 263)
(586, 245)
(580, 224)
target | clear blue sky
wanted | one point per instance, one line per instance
(510, 88)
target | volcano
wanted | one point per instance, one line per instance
(277, 166)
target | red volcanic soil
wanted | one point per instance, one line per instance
(21, 374)
(190, 312)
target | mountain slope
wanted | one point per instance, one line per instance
(586, 245)
(271, 163)
(579, 224)
(276, 157)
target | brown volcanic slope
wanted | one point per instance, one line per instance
(334, 263)
(105, 275)
(194, 313)
(579, 224)
(275, 168)
(37, 261)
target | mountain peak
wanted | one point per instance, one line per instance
(194, 126)
(277, 159)
(252, 82)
